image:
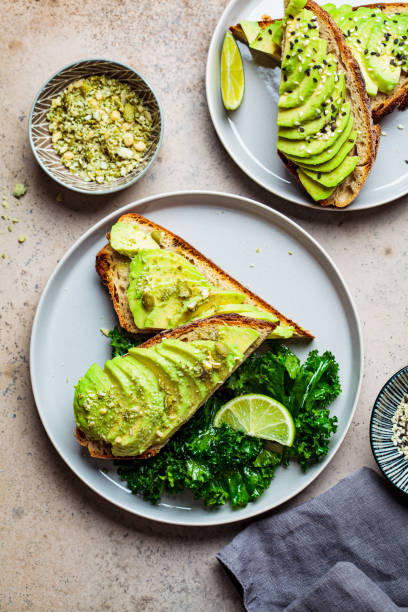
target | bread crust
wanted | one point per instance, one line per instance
(381, 104)
(371, 133)
(190, 331)
(108, 262)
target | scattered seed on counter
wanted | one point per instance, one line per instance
(19, 190)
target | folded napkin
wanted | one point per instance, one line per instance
(346, 550)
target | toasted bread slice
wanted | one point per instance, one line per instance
(382, 104)
(199, 330)
(368, 135)
(113, 269)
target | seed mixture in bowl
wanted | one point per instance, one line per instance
(400, 427)
(100, 128)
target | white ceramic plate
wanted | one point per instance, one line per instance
(249, 133)
(291, 271)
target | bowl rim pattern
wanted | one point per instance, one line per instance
(104, 189)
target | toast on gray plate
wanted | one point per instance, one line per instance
(204, 329)
(382, 104)
(367, 135)
(113, 268)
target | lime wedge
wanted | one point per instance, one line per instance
(259, 416)
(232, 73)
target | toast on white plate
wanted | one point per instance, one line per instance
(381, 103)
(326, 135)
(121, 274)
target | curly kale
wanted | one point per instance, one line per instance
(121, 341)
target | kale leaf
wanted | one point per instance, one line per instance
(121, 341)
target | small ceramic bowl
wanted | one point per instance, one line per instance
(40, 137)
(393, 465)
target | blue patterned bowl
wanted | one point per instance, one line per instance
(393, 465)
(40, 137)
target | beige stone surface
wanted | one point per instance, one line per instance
(63, 548)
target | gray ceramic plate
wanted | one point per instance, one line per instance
(249, 133)
(291, 271)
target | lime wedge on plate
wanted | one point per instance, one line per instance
(259, 416)
(232, 73)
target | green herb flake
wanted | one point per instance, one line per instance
(22, 238)
(19, 190)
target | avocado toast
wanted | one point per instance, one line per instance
(326, 135)
(375, 41)
(157, 280)
(137, 402)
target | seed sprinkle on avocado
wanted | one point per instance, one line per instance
(100, 128)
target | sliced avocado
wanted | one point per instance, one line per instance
(306, 149)
(282, 331)
(294, 7)
(127, 239)
(277, 32)
(265, 42)
(247, 310)
(157, 262)
(173, 302)
(93, 391)
(358, 46)
(315, 190)
(241, 337)
(312, 127)
(328, 153)
(340, 12)
(336, 176)
(300, 132)
(171, 381)
(338, 159)
(330, 8)
(251, 29)
(189, 357)
(296, 44)
(315, 53)
(382, 67)
(302, 92)
(140, 392)
(138, 381)
(211, 304)
(163, 285)
(312, 107)
(184, 365)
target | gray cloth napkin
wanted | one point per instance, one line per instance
(346, 550)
